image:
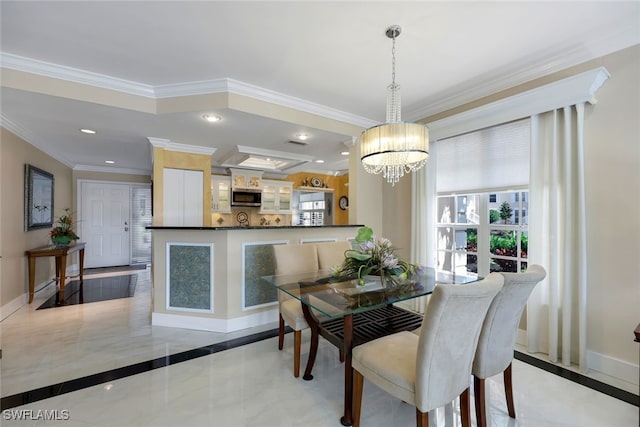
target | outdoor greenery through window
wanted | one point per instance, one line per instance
(483, 232)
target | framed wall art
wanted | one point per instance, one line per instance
(38, 198)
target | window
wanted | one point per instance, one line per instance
(481, 181)
(480, 237)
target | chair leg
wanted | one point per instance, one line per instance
(508, 391)
(358, 385)
(422, 418)
(341, 356)
(479, 397)
(465, 408)
(297, 344)
(281, 333)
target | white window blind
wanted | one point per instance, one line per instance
(494, 158)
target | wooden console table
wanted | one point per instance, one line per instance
(60, 253)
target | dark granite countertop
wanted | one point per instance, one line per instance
(256, 227)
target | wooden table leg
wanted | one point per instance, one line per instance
(32, 279)
(63, 275)
(313, 350)
(347, 419)
(81, 257)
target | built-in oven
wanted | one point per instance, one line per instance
(246, 197)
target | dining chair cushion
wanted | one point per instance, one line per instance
(399, 351)
(499, 331)
(292, 314)
(432, 369)
(331, 254)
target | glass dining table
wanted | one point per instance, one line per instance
(347, 314)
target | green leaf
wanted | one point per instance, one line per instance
(357, 255)
(364, 234)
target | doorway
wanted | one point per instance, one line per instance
(113, 217)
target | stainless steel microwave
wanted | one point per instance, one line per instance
(246, 197)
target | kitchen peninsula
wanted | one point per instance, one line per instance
(208, 278)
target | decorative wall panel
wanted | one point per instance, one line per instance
(190, 276)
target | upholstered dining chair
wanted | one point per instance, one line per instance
(497, 340)
(331, 254)
(431, 369)
(293, 259)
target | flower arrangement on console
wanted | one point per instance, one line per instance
(374, 257)
(62, 234)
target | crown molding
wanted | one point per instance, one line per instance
(107, 169)
(541, 66)
(47, 69)
(579, 88)
(32, 139)
(183, 148)
(202, 87)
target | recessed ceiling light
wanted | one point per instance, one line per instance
(109, 162)
(319, 161)
(302, 136)
(211, 118)
(89, 131)
(345, 153)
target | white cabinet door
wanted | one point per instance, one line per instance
(220, 194)
(276, 197)
(182, 197)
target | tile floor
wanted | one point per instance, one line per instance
(250, 384)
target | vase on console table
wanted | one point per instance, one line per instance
(62, 240)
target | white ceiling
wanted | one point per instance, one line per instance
(331, 59)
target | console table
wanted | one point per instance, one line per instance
(60, 253)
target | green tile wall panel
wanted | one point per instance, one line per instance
(258, 261)
(190, 277)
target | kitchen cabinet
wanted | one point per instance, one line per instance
(221, 194)
(182, 197)
(276, 197)
(243, 179)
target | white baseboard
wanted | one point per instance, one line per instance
(613, 367)
(214, 325)
(601, 364)
(13, 305)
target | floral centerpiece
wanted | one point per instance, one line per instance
(62, 234)
(374, 257)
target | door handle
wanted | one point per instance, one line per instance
(126, 226)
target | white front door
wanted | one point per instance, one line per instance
(105, 223)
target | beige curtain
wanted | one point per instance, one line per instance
(556, 313)
(423, 196)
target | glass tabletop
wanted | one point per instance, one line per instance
(337, 297)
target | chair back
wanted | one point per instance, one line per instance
(500, 328)
(295, 259)
(331, 254)
(448, 340)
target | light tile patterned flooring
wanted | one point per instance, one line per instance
(251, 385)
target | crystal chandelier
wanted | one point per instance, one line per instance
(394, 148)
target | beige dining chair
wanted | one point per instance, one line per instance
(497, 340)
(431, 369)
(293, 259)
(331, 254)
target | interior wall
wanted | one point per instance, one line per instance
(612, 167)
(15, 241)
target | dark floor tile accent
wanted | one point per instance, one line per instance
(93, 290)
(100, 270)
(127, 371)
(607, 389)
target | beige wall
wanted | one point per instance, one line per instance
(612, 165)
(15, 241)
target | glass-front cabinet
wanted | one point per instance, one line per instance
(220, 194)
(276, 197)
